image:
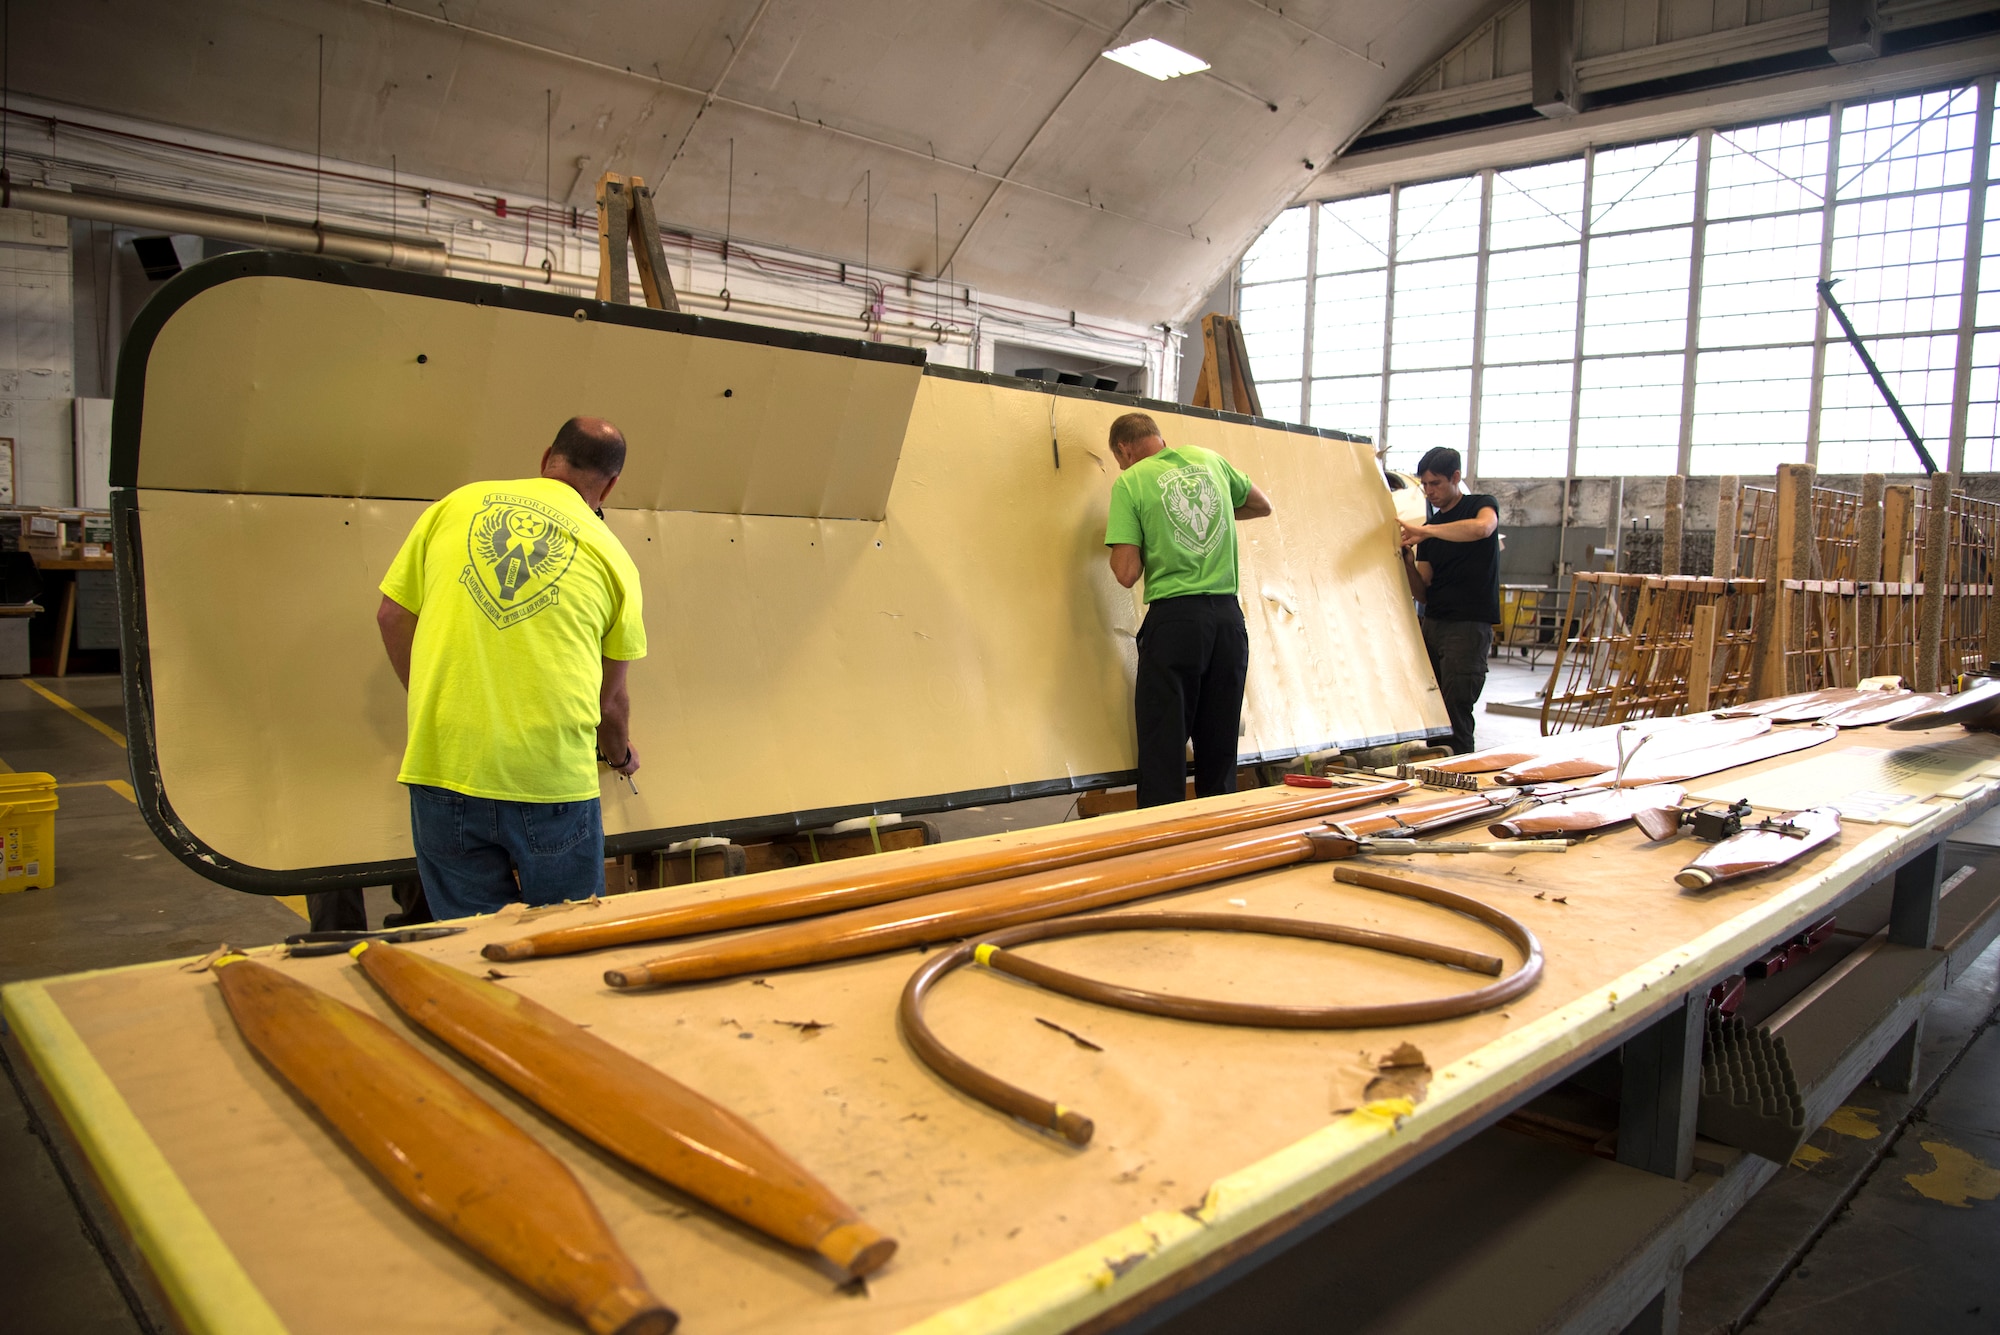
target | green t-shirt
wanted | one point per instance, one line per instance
(1179, 509)
(520, 592)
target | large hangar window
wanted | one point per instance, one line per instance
(1650, 308)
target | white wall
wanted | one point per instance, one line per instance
(37, 378)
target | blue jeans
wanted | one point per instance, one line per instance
(469, 850)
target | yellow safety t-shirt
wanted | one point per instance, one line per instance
(519, 592)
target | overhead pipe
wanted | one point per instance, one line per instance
(854, 326)
(422, 256)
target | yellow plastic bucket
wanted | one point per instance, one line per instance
(27, 831)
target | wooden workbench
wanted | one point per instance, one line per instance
(66, 614)
(1211, 1142)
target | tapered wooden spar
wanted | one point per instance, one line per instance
(638, 1113)
(1421, 817)
(1761, 847)
(1883, 707)
(978, 908)
(856, 883)
(1592, 812)
(1651, 748)
(443, 1149)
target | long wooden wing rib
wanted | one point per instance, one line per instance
(879, 880)
(443, 1149)
(977, 908)
(633, 1110)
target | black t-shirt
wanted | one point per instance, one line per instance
(1465, 576)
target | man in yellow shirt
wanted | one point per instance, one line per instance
(510, 615)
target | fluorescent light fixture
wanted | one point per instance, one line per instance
(1155, 58)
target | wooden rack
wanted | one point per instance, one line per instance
(1845, 585)
(1645, 646)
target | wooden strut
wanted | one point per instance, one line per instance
(625, 211)
(992, 952)
(977, 908)
(1225, 382)
(614, 1100)
(851, 885)
(443, 1149)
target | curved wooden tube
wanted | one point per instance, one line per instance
(640, 1114)
(858, 883)
(1073, 1126)
(443, 1149)
(950, 914)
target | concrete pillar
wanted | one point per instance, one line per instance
(1933, 673)
(1728, 518)
(37, 356)
(1673, 525)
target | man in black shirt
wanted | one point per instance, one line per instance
(1452, 561)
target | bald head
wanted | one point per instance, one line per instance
(589, 454)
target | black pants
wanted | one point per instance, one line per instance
(346, 911)
(1193, 654)
(1458, 651)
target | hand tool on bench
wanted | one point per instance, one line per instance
(304, 944)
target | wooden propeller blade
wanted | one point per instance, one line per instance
(443, 1149)
(1592, 812)
(977, 908)
(1883, 707)
(1752, 849)
(1971, 705)
(1644, 751)
(640, 1114)
(878, 880)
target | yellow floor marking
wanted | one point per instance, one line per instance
(1856, 1122)
(1808, 1155)
(6, 768)
(73, 711)
(1958, 1179)
(297, 904)
(118, 786)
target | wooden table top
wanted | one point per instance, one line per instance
(1206, 1134)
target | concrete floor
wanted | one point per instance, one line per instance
(1890, 1231)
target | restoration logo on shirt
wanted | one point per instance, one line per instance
(520, 549)
(1194, 508)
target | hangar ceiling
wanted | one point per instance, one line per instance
(985, 137)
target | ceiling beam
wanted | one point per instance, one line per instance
(770, 113)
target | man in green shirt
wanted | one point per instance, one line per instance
(511, 615)
(1173, 519)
